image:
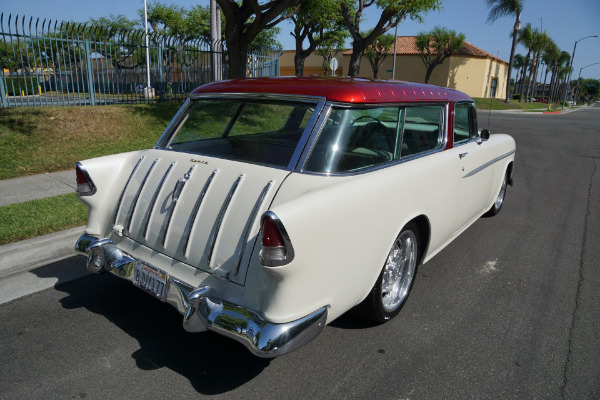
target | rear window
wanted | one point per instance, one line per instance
(355, 139)
(265, 133)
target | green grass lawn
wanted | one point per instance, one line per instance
(497, 104)
(35, 140)
(39, 217)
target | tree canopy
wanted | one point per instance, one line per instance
(243, 23)
(392, 12)
(317, 21)
(437, 45)
(377, 52)
(507, 8)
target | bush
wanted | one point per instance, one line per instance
(17, 86)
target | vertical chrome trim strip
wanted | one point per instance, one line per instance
(194, 214)
(246, 233)
(213, 241)
(151, 205)
(125, 189)
(137, 196)
(182, 182)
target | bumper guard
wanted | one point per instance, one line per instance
(203, 309)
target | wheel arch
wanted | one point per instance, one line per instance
(509, 172)
(424, 227)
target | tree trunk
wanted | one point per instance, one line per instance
(429, 72)
(299, 63)
(523, 77)
(358, 49)
(238, 56)
(513, 48)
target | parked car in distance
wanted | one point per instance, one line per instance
(271, 206)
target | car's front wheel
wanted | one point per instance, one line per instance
(495, 209)
(396, 278)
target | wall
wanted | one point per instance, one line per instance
(313, 65)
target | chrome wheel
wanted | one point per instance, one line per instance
(399, 271)
(500, 198)
(495, 209)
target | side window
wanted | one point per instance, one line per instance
(422, 129)
(464, 124)
(354, 139)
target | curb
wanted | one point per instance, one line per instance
(36, 252)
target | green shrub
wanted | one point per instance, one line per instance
(19, 85)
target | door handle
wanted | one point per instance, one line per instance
(462, 155)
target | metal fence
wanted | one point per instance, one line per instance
(46, 63)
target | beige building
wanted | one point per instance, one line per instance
(472, 70)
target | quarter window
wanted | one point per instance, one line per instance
(464, 126)
(355, 139)
(422, 129)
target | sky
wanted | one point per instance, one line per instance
(564, 21)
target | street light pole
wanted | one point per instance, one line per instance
(571, 68)
(394, 63)
(579, 79)
(148, 90)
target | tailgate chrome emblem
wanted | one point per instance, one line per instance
(181, 183)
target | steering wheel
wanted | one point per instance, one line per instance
(379, 123)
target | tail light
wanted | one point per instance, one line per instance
(276, 249)
(85, 186)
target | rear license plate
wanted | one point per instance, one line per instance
(150, 279)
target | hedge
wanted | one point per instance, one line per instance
(18, 86)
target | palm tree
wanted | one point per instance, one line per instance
(518, 63)
(503, 8)
(539, 43)
(525, 37)
(550, 57)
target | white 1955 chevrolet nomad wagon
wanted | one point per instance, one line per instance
(271, 206)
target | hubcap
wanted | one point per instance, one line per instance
(399, 271)
(500, 198)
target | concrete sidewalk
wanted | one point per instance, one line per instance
(35, 252)
(34, 187)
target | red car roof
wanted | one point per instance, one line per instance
(343, 89)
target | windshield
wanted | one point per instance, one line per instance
(260, 132)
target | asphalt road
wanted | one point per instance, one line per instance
(511, 309)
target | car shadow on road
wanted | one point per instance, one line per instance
(213, 364)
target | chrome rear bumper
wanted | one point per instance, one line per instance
(203, 309)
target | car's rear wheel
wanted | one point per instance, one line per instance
(396, 278)
(495, 209)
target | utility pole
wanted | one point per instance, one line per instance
(148, 91)
(216, 44)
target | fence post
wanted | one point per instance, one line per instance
(3, 99)
(161, 77)
(90, 74)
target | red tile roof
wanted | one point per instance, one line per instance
(405, 45)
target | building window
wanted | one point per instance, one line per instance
(493, 86)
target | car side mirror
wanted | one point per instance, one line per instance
(484, 135)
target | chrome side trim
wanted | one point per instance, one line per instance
(251, 219)
(257, 96)
(164, 138)
(137, 196)
(203, 309)
(125, 189)
(487, 164)
(224, 208)
(188, 229)
(176, 192)
(154, 196)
